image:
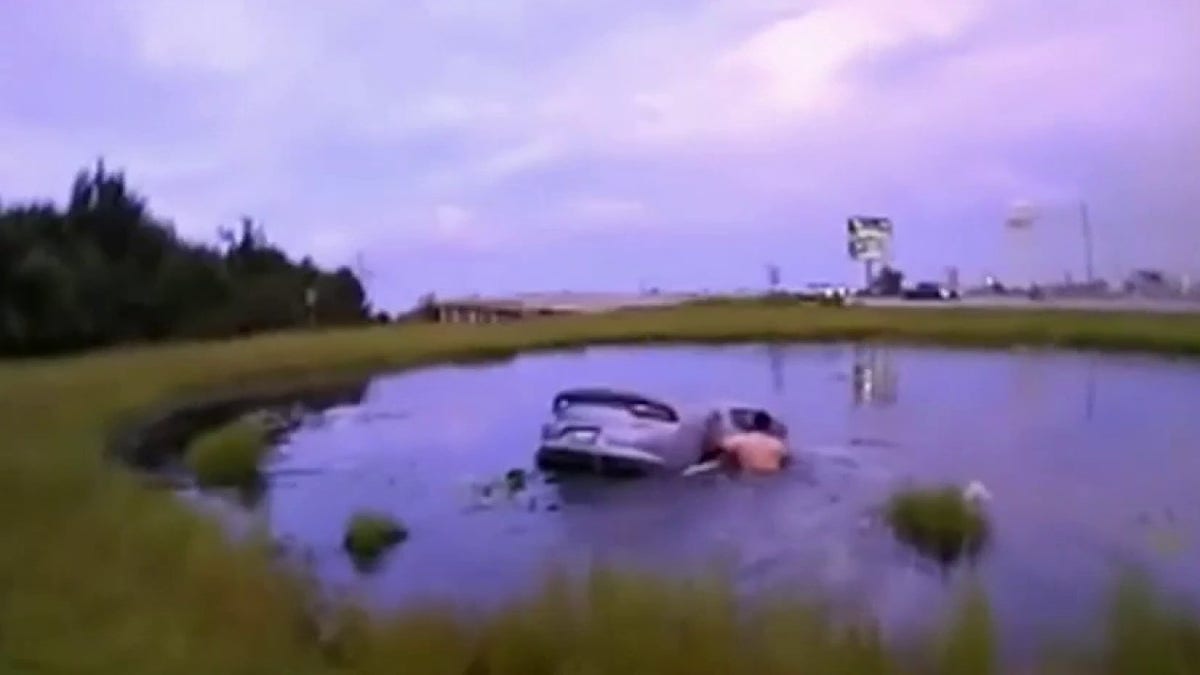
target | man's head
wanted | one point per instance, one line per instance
(760, 421)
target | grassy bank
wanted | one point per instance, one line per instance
(100, 574)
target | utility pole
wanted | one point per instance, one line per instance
(310, 304)
(1087, 239)
(361, 270)
(773, 277)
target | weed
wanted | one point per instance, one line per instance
(369, 535)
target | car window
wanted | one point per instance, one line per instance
(592, 410)
(616, 410)
(652, 412)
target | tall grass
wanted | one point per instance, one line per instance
(100, 574)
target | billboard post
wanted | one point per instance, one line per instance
(1019, 225)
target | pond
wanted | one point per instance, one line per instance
(1092, 462)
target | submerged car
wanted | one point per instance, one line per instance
(613, 432)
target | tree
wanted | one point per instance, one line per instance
(105, 270)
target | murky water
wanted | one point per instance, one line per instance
(1093, 461)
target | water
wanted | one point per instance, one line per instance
(1092, 462)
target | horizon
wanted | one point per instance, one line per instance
(542, 145)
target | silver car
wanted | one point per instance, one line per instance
(609, 431)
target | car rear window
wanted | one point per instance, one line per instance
(652, 412)
(615, 409)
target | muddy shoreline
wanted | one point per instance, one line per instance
(152, 442)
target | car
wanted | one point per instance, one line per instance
(928, 290)
(613, 432)
(826, 294)
(828, 291)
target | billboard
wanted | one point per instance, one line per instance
(868, 238)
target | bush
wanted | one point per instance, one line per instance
(369, 535)
(938, 522)
(228, 456)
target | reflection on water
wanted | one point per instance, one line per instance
(1088, 459)
(775, 361)
(876, 382)
(1089, 398)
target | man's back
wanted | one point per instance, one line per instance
(755, 451)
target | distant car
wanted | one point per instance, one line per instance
(930, 291)
(828, 290)
(612, 432)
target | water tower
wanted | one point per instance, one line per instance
(1020, 247)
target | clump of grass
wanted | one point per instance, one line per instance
(939, 522)
(369, 535)
(228, 456)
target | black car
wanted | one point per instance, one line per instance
(930, 291)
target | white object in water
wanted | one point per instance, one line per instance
(703, 467)
(976, 492)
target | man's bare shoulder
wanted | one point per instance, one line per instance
(737, 439)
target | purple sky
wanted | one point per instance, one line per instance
(497, 145)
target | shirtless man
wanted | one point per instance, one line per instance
(756, 451)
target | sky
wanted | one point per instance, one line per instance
(493, 146)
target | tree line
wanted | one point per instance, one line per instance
(104, 270)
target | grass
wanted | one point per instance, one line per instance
(131, 581)
(369, 535)
(228, 456)
(939, 522)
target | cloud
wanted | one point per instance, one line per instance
(215, 36)
(459, 226)
(607, 210)
(527, 155)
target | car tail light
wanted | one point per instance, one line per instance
(582, 434)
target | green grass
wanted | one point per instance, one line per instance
(102, 574)
(938, 522)
(369, 535)
(229, 455)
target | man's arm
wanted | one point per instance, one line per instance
(729, 455)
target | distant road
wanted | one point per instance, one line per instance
(1123, 304)
(603, 302)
